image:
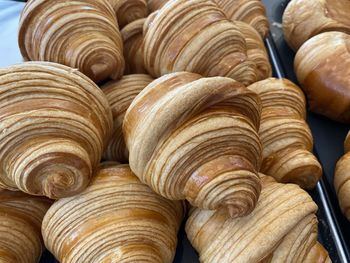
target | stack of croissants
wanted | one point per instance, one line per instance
(130, 116)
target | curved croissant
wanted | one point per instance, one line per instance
(304, 19)
(342, 179)
(115, 219)
(199, 141)
(196, 36)
(128, 11)
(251, 12)
(20, 224)
(284, 221)
(81, 34)
(285, 136)
(256, 50)
(120, 94)
(154, 5)
(133, 51)
(55, 123)
(320, 65)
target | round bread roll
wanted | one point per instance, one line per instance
(322, 66)
(303, 19)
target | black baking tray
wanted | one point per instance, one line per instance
(334, 230)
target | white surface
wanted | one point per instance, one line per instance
(9, 19)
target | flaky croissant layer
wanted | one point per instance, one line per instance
(120, 94)
(196, 138)
(21, 216)
(285, 135)
(55, 123)
(282, 228)
(82, 34)
(342, 179)
(115, 219)
(196, 36)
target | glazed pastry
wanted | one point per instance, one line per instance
(320, 65)
(256, 50)
(304, 19)
(199, 141)
(115, 219)
(196, 36)
(120, 94)
(133, 51)
(20, 224)
(251, 12)
(282, 228)
(128, 11)
(285, 136)
(342, 179)
(81, 34)
(55, 123)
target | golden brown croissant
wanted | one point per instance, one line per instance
(154, 5)
(115, 219)
(282, 228)
(256, 50)
(321, 65)
(305, 19)
(285, 136)
(342, 179)
(196, 36)
(55, 123)
(199, 141)
(81, 34)
(20, 226)
(128, 11)
(251, 12)
(133, 51)
(120, 94)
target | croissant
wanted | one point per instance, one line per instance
(20, 223)
(154, 5)
(55, 123)
(256, 50)
(128, 11)
(196, 36)
(320, 65)
(285, 136)
(305, 19)
(199, 141)
(133, 52)
(282, 228)
(120, 94)
(81, 34)
(342, 179)
(115, 219)
(251, 12)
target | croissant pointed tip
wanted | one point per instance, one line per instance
(234, 211)
(99, 71)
